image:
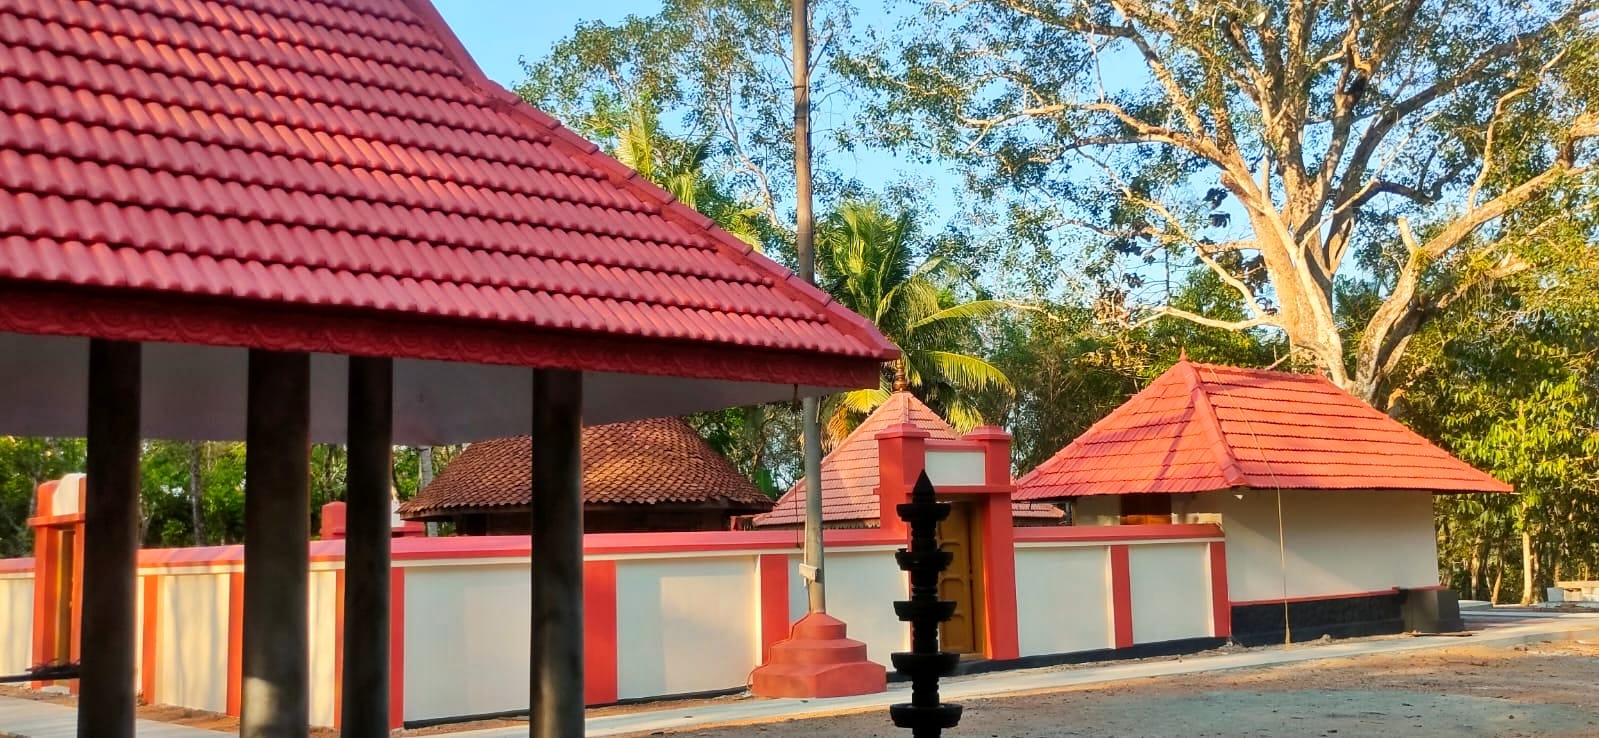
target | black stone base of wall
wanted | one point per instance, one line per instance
(1140, 651)
(1420, 610)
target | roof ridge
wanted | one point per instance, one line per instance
(670, 207)
(1226, 459)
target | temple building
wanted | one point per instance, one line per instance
(644, 475)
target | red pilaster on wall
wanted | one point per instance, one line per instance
(1121, 596)
(774, 601)
(235, 640)
(147, 647)
(901, 456)
(999, 579)
(338, 647)
(599, 632)
(1221, 606)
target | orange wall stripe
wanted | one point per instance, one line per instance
(1121, 596)
(774, 601)
(599, 632)
(46, 542)
(338, 648)
(147, 648)
(999, 580)
(396, 647)
(1221, 608)
(235, 640)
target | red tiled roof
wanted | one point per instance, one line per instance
(345, 158)
(661, 460)
(1200, 428)
(850, 473)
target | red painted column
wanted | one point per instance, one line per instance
(397, 648)
(599, 632)
(774, 601)
(1221, 606)
(1121, 596)
(901, 456)
(338, 637)
(235, 641)
(147, 648)
(46, 579)
(999, 579)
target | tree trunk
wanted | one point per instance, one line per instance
(1478, 552)
(196, 492)
(1529, 566)
(1499, 579)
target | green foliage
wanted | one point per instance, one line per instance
(25, 463)
(872, 263)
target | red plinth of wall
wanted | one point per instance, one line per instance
(817, 660)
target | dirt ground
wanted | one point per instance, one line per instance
(1546, 690)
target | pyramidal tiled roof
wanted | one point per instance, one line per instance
(850, 472)
(347, 158)
(1200, 428)
(657, 461)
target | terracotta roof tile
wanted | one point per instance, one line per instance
(339, 154)
(641, 462)
(1200, 428)
(850, 472)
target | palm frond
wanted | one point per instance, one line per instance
(974, 310)
(967, 372)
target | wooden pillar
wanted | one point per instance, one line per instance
(557, 659)
(364, 693)
(111, 541)
(277, 533)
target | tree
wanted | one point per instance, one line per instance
(869, 261)
(1513, 388)
(1442, 140)
(719, 70)
(26, 463)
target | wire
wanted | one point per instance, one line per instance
(1277, 487)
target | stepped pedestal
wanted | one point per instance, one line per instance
(818, 660)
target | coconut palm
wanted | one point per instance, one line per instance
(868, 260)
(677, 164)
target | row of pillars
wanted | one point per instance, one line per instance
(275, 699)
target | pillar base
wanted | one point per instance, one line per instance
(818, 661)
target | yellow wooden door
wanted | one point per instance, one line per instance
(959, 583)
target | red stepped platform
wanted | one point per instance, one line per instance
(818, 661)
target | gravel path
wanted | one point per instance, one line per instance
(1465, 692)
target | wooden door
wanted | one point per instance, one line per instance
(960, 582)
(1146, 509)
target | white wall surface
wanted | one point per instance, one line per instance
(466, 639)
(16, 624)
(1063, 599)
(1097, 510)
(192, 641)
(1170, 587)
(321, 608)
(1337, 542)
(686, 625)
(861, 589)
(956, 467)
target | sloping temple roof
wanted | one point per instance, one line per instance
(338, 176)
(1200, 428)
(658, 461)
(850, 471)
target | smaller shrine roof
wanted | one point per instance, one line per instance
(850, 473)
(657, 461)
(1201, 428)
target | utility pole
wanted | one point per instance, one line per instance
(804, 245)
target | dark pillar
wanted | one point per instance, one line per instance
(110, 541)
(557, 665)
(277, 534)
(365, 692)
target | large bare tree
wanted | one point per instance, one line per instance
(1438, 143)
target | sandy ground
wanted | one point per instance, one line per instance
(1465, 692)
